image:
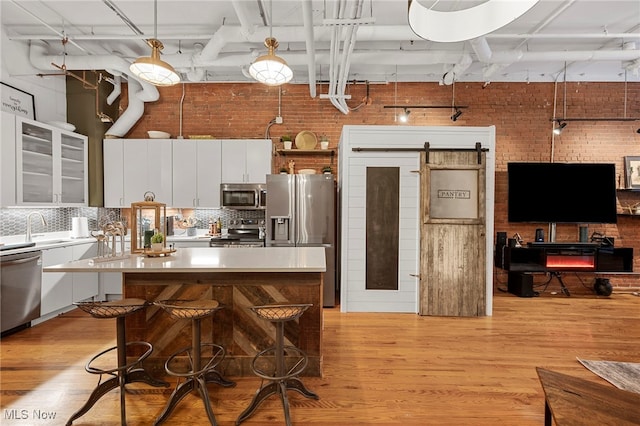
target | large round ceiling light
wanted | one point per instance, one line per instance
(465, 24)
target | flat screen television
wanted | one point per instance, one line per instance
(562, 192)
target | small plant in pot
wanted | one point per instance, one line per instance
(157, 242)
(286, 141)
(326, 170)
(284, 171)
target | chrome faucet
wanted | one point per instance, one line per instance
(44, 223)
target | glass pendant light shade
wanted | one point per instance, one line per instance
(270, 69)
(154, 70)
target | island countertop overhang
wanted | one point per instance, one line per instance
(209, 259)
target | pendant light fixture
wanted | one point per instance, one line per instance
(152, 69)
(271, 69)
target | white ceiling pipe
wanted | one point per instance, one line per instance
(132, 114)
(481, 49)
(348, 50)
(307, 17)
(117, 89)
(585, 56)
(145, 92)
(322, 33)
(245, 23)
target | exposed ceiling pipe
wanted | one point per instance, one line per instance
(117, 89)
(132, 114)
(481, 48)
(145, 93)
(307, 17)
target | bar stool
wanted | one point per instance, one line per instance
(279, 364)
(197, 376)
(124, 372)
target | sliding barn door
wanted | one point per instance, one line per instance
(452, 234)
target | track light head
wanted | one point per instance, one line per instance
(561, 126)
(404, 116)
(456, 114)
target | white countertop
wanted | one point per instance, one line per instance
(209, 259)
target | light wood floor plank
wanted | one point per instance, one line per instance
(379, 369)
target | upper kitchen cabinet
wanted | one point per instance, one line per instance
(134, 166)
(42, 165)
(246, 160)
(196, 173)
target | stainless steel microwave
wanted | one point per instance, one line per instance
(243, 196)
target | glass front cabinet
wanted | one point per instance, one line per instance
(50, 167)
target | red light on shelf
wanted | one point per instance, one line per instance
(571, 262)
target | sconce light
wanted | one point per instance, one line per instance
(456, 114)
(561, 126)
(404, 116)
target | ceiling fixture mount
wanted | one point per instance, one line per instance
(271, 69)
(152, 69)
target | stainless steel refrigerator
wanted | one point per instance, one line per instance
(301, 213)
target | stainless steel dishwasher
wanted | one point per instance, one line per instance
(20, 288)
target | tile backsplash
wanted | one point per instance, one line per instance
(13, 220)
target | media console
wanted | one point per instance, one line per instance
(555, 258)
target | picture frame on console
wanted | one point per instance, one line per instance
(632, 172)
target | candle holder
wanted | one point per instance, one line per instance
(147, 215)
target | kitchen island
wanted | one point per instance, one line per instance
(237, 278)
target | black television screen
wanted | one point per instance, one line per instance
(562, 192)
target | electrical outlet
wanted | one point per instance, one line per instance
(278, 120)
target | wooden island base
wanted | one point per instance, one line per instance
(235, 327)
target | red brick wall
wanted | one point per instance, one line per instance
(521, 113)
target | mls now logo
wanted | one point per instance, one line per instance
(16, 414)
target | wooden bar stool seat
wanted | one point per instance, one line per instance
(125, 372)
(279, 365)
(196, 375)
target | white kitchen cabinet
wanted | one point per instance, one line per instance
(85, 284)
(246, 160)
(49, 167)
(61, 289)
(133, 167)
(196, 173)
(57, 287)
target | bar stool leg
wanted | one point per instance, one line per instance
(198, 382)
(123, 377)
(278, 386)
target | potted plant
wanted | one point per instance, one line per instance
(326, 170)
(157, 241)
(286, 141)
(283, 171)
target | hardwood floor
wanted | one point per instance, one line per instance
(379, 369)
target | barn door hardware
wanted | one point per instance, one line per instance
(478, 148)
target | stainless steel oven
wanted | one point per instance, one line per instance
(242, 233)
(243, 196)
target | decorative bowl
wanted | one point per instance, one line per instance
(306, 172)
(157, 134)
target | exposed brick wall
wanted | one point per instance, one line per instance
(521, 113)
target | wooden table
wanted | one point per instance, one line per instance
(575, 401)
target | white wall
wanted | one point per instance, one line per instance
(353, 295)
(15, 70)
